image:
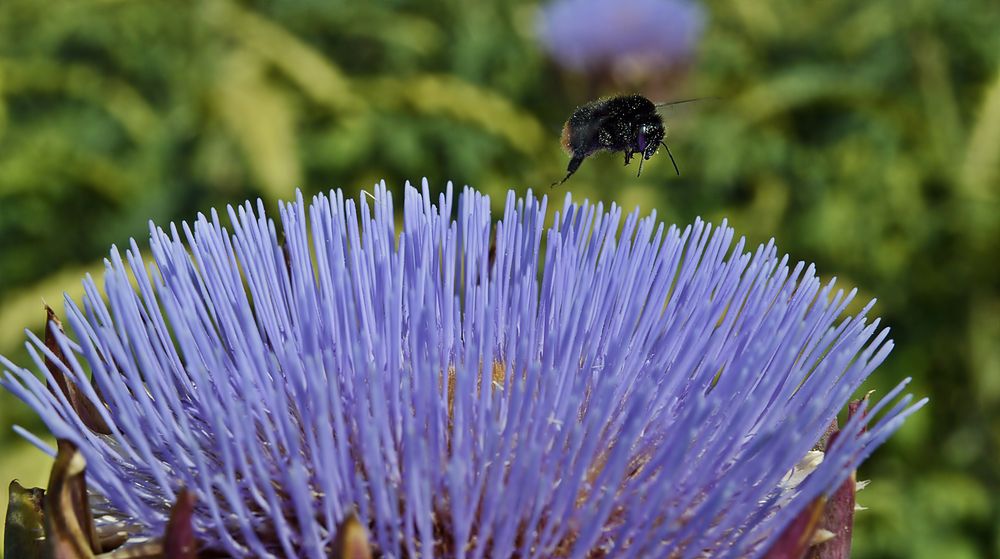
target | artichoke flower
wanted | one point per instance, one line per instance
(328, 385)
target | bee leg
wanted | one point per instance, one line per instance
(628, 157)
(574, 164)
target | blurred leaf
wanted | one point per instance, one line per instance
(981, 166)
(984, 342)
(269, 138)
(16, 312)
(308, 68)
(25, 309)
(941, 109)
(399, 30)
(455, 98)
(798, 87)
(120, 100)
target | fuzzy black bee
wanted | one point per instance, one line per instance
(626, 123)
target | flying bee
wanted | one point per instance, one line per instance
(626, 123)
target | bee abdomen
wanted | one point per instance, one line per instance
(566, 138)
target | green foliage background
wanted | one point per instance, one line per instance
(862, 135)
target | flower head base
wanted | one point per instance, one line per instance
(606, 386)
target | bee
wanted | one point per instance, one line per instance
(625, 123)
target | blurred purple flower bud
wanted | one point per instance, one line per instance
(606, 386)
(600, 35)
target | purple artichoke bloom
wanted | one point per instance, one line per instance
(606, 386)
(593, 35)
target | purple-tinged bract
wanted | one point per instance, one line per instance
(603, 386)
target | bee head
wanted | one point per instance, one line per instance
(649, 138)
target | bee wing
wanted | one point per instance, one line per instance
(660, 107)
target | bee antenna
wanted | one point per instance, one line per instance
(671, 158)
(682, 101)
(641, 159)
